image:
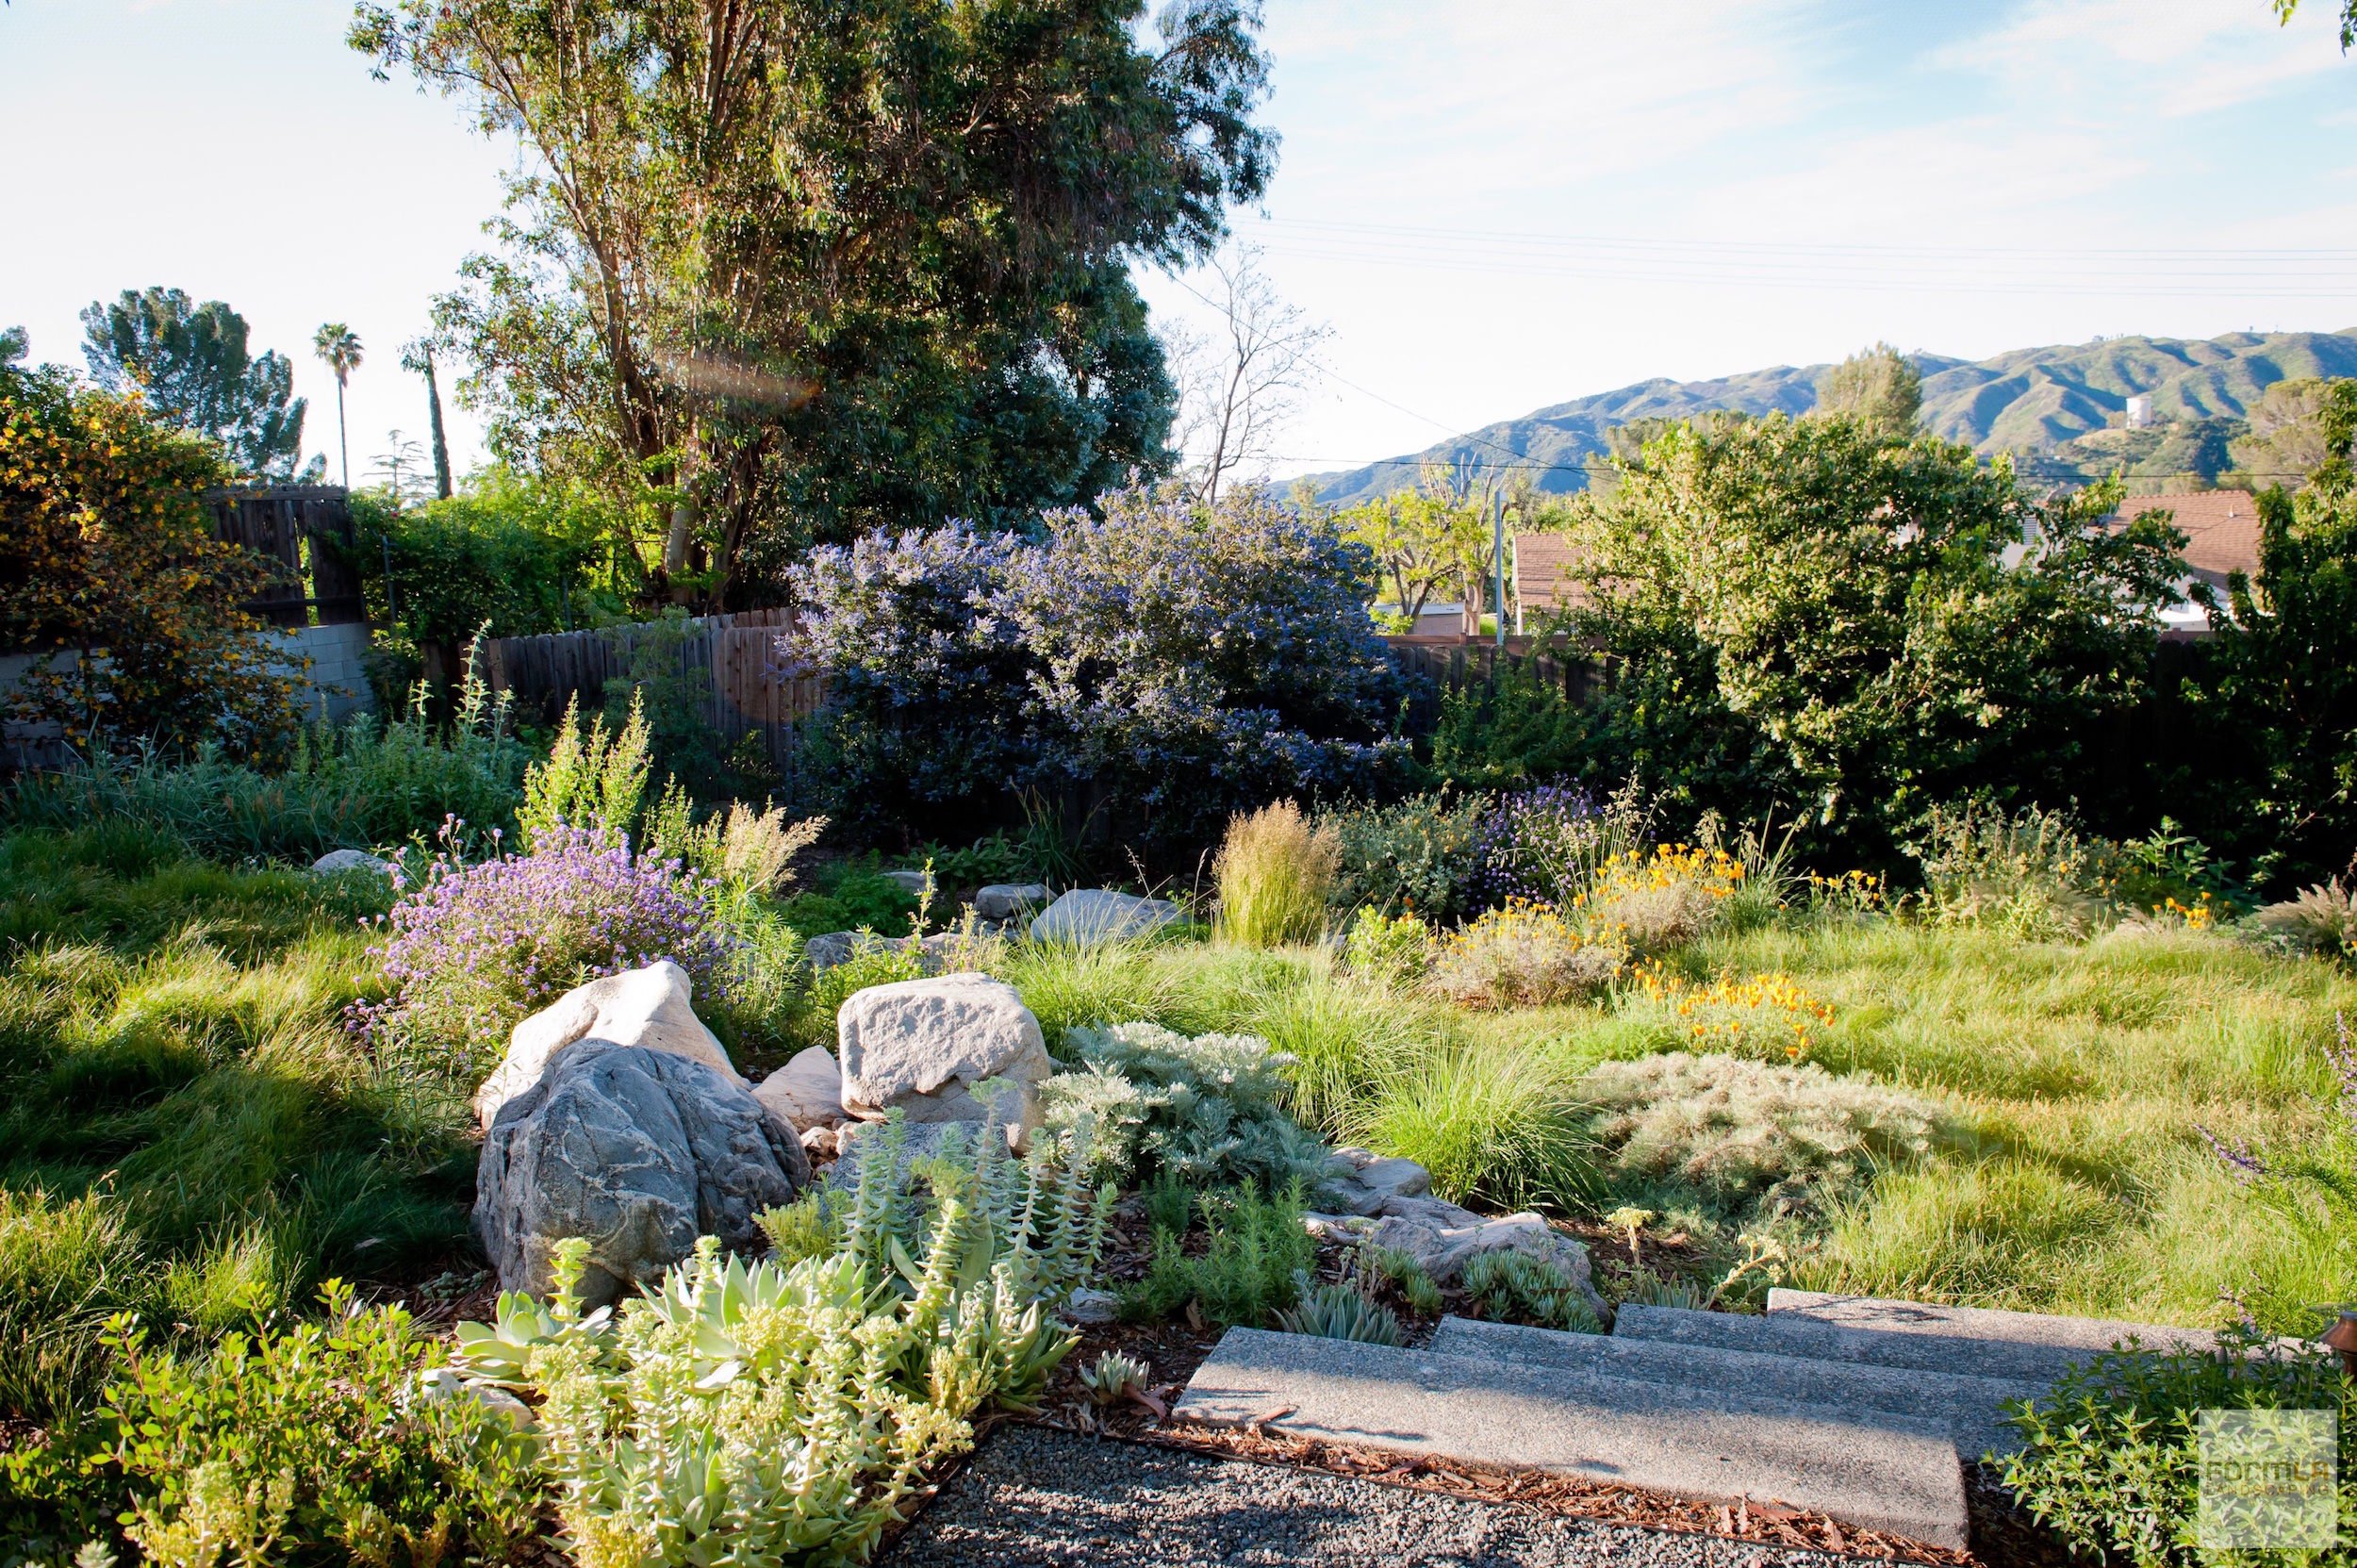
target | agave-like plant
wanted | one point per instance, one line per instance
(1112, 1376)
(1338, 1311)
(497, 1353)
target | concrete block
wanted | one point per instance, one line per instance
(1702, 1441)
(1971, 1409)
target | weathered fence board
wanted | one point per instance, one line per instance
(730, 660)
(307, 530)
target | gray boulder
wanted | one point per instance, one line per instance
(912, 882)
(1363, 1180)
(1004, 901)
(1088, 914)
(1443, 1237)
(337, 861)
(645, 1007)
(637, 1149)
(922, 1045)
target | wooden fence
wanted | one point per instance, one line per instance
(731, 661)
(307, 529)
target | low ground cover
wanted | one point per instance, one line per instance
(228, 1085)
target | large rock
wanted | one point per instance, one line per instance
(637, 1149)
(638, 1007)
(335, 862)
(807, 1091)
(1003, 901)
(1443, 1237)
(1364, 1180)
(1088, 914)
(922, 1045)
(840, 946)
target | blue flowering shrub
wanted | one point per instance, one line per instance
(1184, 661)
(929, 684)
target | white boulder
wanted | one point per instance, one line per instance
(806, 1093)
(1088, 914)
(922, 1045)
(337, 861)
(1443, 1237)
(645, 1007)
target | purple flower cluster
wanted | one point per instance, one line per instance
(477, 946)
(1187, 660)
(1537, 845)
(2246, 1165)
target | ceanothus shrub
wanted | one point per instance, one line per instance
(929, 684)
(1186, 661)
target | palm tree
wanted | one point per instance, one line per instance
(339, 348)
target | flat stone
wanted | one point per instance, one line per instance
(1796, 1334)
(335, 862)
(1971, 1408)
(920, 1046)
(1089, 1307)
(1004, 901)
(1982, 1325)
(1090, 914)
(806, 1093)
(1444, 1238)
(647, 1007)
(1701, 1441)
(638, 1151)
(1396, 1177)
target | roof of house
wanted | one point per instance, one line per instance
(1543, 574)
(2221, 529)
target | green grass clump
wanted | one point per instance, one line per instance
(1501, 1128)
(1274, 870)
(1254, 1247)
(186, 1130)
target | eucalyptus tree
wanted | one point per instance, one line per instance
(793, 269)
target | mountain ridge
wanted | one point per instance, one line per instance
(2022, 400)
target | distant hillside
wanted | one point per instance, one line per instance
(2029, 400)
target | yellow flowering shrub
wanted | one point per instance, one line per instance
(1766, 1015)
(1653, 902)
(1523, 954)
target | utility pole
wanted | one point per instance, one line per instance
(1497, 557)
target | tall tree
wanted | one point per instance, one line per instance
(191, 366)
(1237, 388)
(339, 348)
(804, 267)
(1879, 387)
(418, 356)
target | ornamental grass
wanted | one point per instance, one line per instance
(1275, 869)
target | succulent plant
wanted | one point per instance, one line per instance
(1338, 1311)
(1112, 1376)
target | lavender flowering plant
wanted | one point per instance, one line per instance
(473, 947)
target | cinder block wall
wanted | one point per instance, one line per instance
(338, 685)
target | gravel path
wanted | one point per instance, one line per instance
(1035, 1496)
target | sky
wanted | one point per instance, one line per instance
(1494, 206)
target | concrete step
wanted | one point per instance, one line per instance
(1713, 1444)
(2068, 1339)
(1794, 1333)
(1969, 1409)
